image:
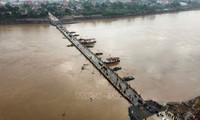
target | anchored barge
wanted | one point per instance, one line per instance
(98, 53)
(112, 60)
(116, 68)
(128, 78)
(87, 41)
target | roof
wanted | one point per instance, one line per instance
(2, 3)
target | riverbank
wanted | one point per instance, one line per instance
(74, 19)
(184, 110)
(99, 16)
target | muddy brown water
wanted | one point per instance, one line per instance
(41, 78)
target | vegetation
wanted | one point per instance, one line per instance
(117, 8)
(120, 8)
(11, 13)
(87, 7)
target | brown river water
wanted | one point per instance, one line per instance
(41, 78)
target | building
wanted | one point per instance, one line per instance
(125, 1)
(163, 2)
(183, 4)
(2, 3)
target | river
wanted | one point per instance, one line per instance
(41, 78)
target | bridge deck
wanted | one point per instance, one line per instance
(124, 89)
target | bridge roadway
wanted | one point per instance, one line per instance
(123, 87)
